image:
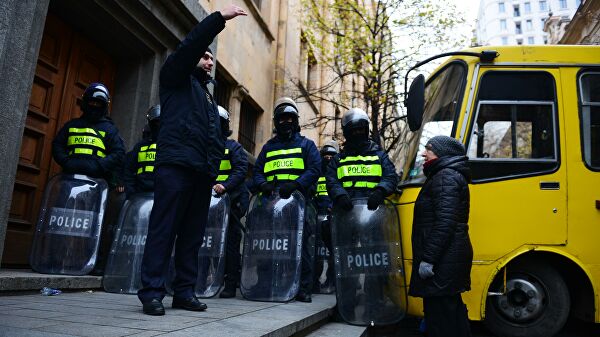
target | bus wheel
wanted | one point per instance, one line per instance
(536, 303)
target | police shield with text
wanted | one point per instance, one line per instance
(286, 170)
(211, 257)
(324, 272)
(365, 231)
(89, 149)
(122, 272)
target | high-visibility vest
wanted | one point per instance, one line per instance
(224, 167)
(86, 141)
(145, 158)
(358, 172)
(321, 187)
(284, 165)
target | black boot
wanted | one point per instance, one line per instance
(228, 292)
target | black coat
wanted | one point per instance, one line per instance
(440, 233)
(190, 131)
(107, 167)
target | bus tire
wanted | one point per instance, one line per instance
(536, 303)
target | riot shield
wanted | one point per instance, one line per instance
(371, 285)
(324, 275)
(272, 248)
(211, 257)
(122, 273)
(68, 230)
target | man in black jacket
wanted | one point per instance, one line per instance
(442, 252)
(190, 147)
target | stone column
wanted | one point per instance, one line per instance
(235, 109)
(21, 29)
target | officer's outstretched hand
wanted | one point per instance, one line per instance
(286, 189)
(375, 199)
(267, 188)
(343, 202)
(232, 11)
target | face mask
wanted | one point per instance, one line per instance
(285, 129)
(154, 127)
(225, 128)
(93, 114)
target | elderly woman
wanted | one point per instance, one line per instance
(442, 252)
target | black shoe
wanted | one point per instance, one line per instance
(154, 308)
(303, 297)
(227, 293)
(190, 303)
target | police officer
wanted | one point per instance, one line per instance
(301, 175)
(232, 173)
(90, 144)
(190, 148)
(362, 169)
(138, 175)
(324, 205)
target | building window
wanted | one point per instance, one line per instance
(531, 40)
(543, 21)
(258, 3)
(589, 89)
(223, 90)
(562, 4)
(529, 25)
(545, 40)
(516, 11)
(248, 122)
(504, 40)
(502, 24)
(519, 41)
(527, 7)
(501, 8)
(518, 29)
(515, 129)
(543, 5)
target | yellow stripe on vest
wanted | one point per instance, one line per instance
(286, 151)
(361, 158)
(359, 170)
(283, 164)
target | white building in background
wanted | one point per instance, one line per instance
(519, 22)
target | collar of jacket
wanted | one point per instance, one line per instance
(457, 163)
(350, 150)
(295, 136)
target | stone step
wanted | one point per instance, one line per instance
(23, 279)
(96, 313)
(334, 329)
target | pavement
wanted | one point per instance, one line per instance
(96, 313)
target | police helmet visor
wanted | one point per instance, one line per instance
(285, 110)
(354, 118)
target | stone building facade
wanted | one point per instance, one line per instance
(50, 50)
(584, 28)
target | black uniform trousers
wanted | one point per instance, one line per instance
(232, 251)
(308, 250)
(446, 316)
(179, 216)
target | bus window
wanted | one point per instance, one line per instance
(515, 129)
(443, 96)
(589, 89)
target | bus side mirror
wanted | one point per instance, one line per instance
(415, 103)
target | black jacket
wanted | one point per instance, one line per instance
(239, 166)
(93, 166)
(190, 132)
(389, 178)
(132, 181)
(440, 233)
(310, 153)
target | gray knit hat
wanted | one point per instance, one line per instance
(444, 146)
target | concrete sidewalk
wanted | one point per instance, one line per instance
(96, 313)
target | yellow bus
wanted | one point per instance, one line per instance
(529, 117)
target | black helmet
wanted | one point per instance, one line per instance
(224, 116)
(353, 119)
(330, 148)
(98, 93)
(284, 106)
(153, 114)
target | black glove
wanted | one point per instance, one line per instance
(286, 189)
(344, 202)
(267, 188)
(375, 199)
